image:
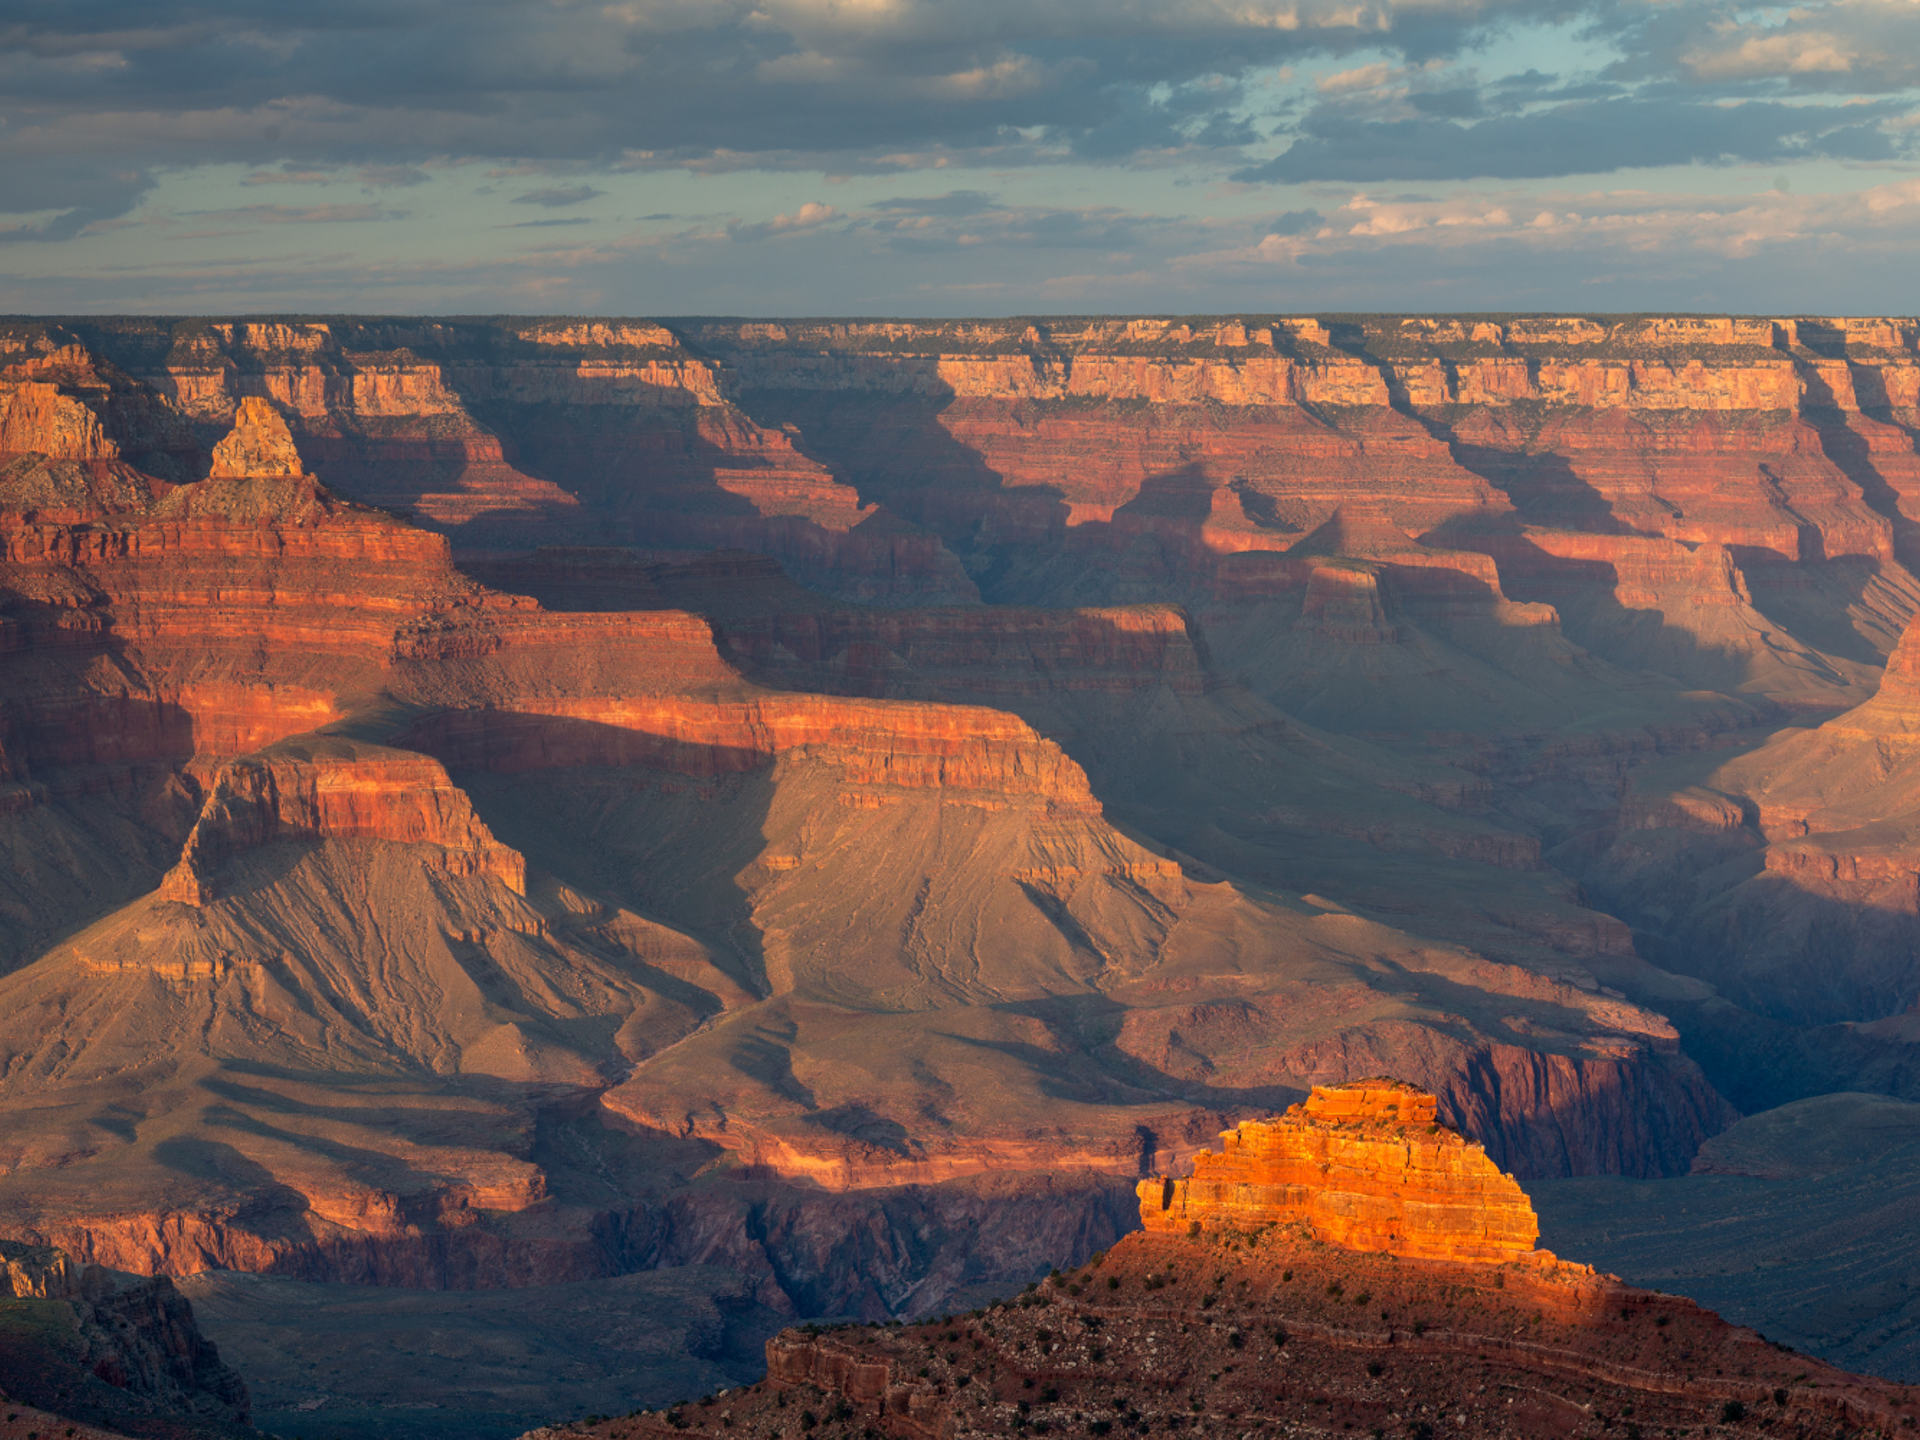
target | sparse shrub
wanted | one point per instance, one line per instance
(808, 1419)
(1193, 1229)
(1235, 1340)
(1362, 1298)
(1374, 1368)
(1780, 1396)
(1336, 1289)
(1113, 1282)
(1279, 1336)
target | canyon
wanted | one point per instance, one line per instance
(832, 806)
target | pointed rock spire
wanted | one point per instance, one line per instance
(258, 445)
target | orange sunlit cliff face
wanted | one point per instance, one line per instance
(498, 803)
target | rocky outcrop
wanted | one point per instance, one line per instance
(872, 742)
(1366, 1166)
(257, 446)
(1786, 875)
(1166, 1333)
(1334, 642)
(137, 1335)
(336, 791)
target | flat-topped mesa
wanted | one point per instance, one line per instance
(1367, 1166)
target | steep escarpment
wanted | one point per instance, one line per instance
(475, 854)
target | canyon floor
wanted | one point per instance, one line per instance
(822, 808)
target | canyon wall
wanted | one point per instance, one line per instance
(865, 760)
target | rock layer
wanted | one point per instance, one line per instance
(1366, 1166)
(1334, 641)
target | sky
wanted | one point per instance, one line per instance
(958, 157)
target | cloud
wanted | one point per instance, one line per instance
(954, 202)
(1364, 77)
(1472, 248)
(1590, 137)
(381, 88)
(553, 198)
(1859, 46)
(119, 114)
(808, 217)
(307, 214)
(1616, 224)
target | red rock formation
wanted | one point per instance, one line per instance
(1365, 1165)
(336, 790)
(615, 427)
(258, 445)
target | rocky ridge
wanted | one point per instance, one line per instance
(1267, 1329)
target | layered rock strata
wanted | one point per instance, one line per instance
(1366, 1166)
(1329, 633)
